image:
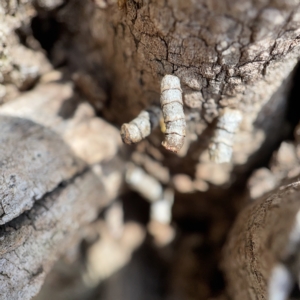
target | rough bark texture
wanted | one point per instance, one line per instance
(44, 157)
(259, 241)
(265, 235)
(41, 149)
(54, 149)
(31, 243)
(29, 150)
(236, 55)
(219, 51)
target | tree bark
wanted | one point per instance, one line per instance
(32, 242)
(238, 55)
(229, 56)
(45, 159)
(264, 236)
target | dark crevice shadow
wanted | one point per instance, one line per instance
(45, 27)
(69, 107)
(46, 30)
(293, 115)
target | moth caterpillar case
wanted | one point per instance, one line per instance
(172, 108)
(220, 149)
(141, 126)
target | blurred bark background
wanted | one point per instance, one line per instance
(85, 217)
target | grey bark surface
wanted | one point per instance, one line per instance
(34, 161)
(238, 55)
(44, 158)
(227, 54)
(31, 243)
(259, 240)
(40, 149)
(265, 235)
(235, 55)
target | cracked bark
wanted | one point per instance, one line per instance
(237, 54)
(260, 259)
(44, 158)
(40, 149)
(264, 236)
(31, 243)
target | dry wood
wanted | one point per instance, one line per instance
(49, 158)
(40, 149)
(34, 161)
(264, 236)
(31, 243)
(228, 124)
(235, 54)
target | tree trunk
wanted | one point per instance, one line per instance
(72, 70)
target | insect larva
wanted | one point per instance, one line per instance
(143, 183)
(141, 126)
(220, 149)
(172, 108)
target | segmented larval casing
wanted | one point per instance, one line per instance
(141, 126)
(220, 149)
(172, 108)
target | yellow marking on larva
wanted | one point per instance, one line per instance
(121, 4)
(172, 108)
(162, 125)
